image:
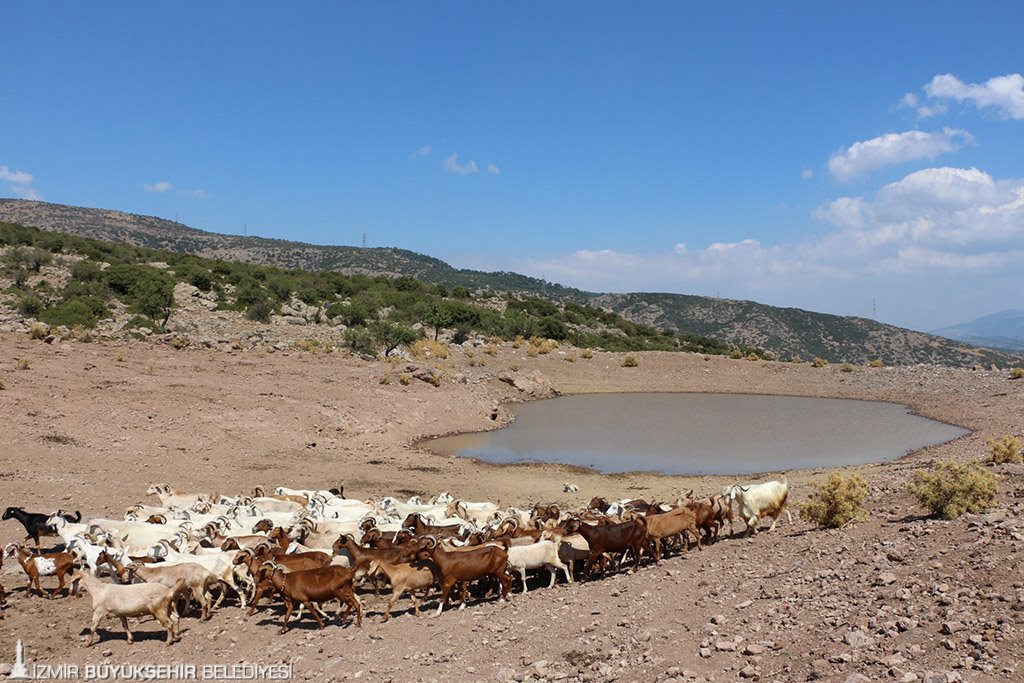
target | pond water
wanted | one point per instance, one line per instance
(701, 433)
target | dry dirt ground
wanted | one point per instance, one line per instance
(90, 425)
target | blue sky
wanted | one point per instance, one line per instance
(834, 158)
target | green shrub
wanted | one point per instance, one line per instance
(86, 270)
(201, 280)
(846, 368)
(954, 489)
(30, 305)
(85, 311)
(139, 321)
(876, 363)
(281, 288)
(335, 310)
(818, 362)
(392, 335)
(1017, 373)
(360, 341)
(1004, 450)
(461, 334)
(259, 311)
(837, 502)
(630, 361)
(248, 292)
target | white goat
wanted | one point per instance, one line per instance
(109, 599)
(536, 555)
(757, 501)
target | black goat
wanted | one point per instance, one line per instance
(35, 522)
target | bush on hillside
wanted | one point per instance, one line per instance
(954, 489)
(84, 311)
(836, 502)
(259, 311)
(818, 362)
(360, 341)
(31, 305)
(392, 335)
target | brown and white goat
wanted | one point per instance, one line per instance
(36, 565)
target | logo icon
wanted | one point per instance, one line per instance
(19, 670)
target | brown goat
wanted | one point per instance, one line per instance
(676, 523)
(613, 538)
(253, 559)
(451, 568)
(710, 515)
(404, 577)
(310, 587)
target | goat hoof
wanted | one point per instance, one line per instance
(281, 631)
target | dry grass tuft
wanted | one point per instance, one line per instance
(836, 502)
(955, 488)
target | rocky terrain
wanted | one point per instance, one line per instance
(901, 597)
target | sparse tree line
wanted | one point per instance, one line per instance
(380, 314)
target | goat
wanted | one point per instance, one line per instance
(309, 586)
(132, 600)
(361, 557)
(169, 497)
(42, 564)
(455, 567)
(536, 555)
(610, 538)
(94, 556)
(190, 575)
(570, 488)
(711, 513)
(288, 562)
(35, 523)
(404, 577)
(678, 522)
(760, 500)
(477, 513)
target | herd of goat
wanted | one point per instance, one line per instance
(311, 547)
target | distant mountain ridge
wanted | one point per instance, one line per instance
(1000, 330)
(785, 332)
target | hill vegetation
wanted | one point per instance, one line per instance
(375, 313)
(362, 279)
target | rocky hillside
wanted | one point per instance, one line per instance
(784, 332)
(795, 333)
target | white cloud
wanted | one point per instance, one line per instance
(894, 148)
(939, 245)
(912, 101)
(24, 192)
(16, 177)
(423, 151)
(452, 165)
(1003, 94)
(493, 169)
(807, 174)
(20, 183)
(198, 193)
(159, 187)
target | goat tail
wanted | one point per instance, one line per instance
(78, 517)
